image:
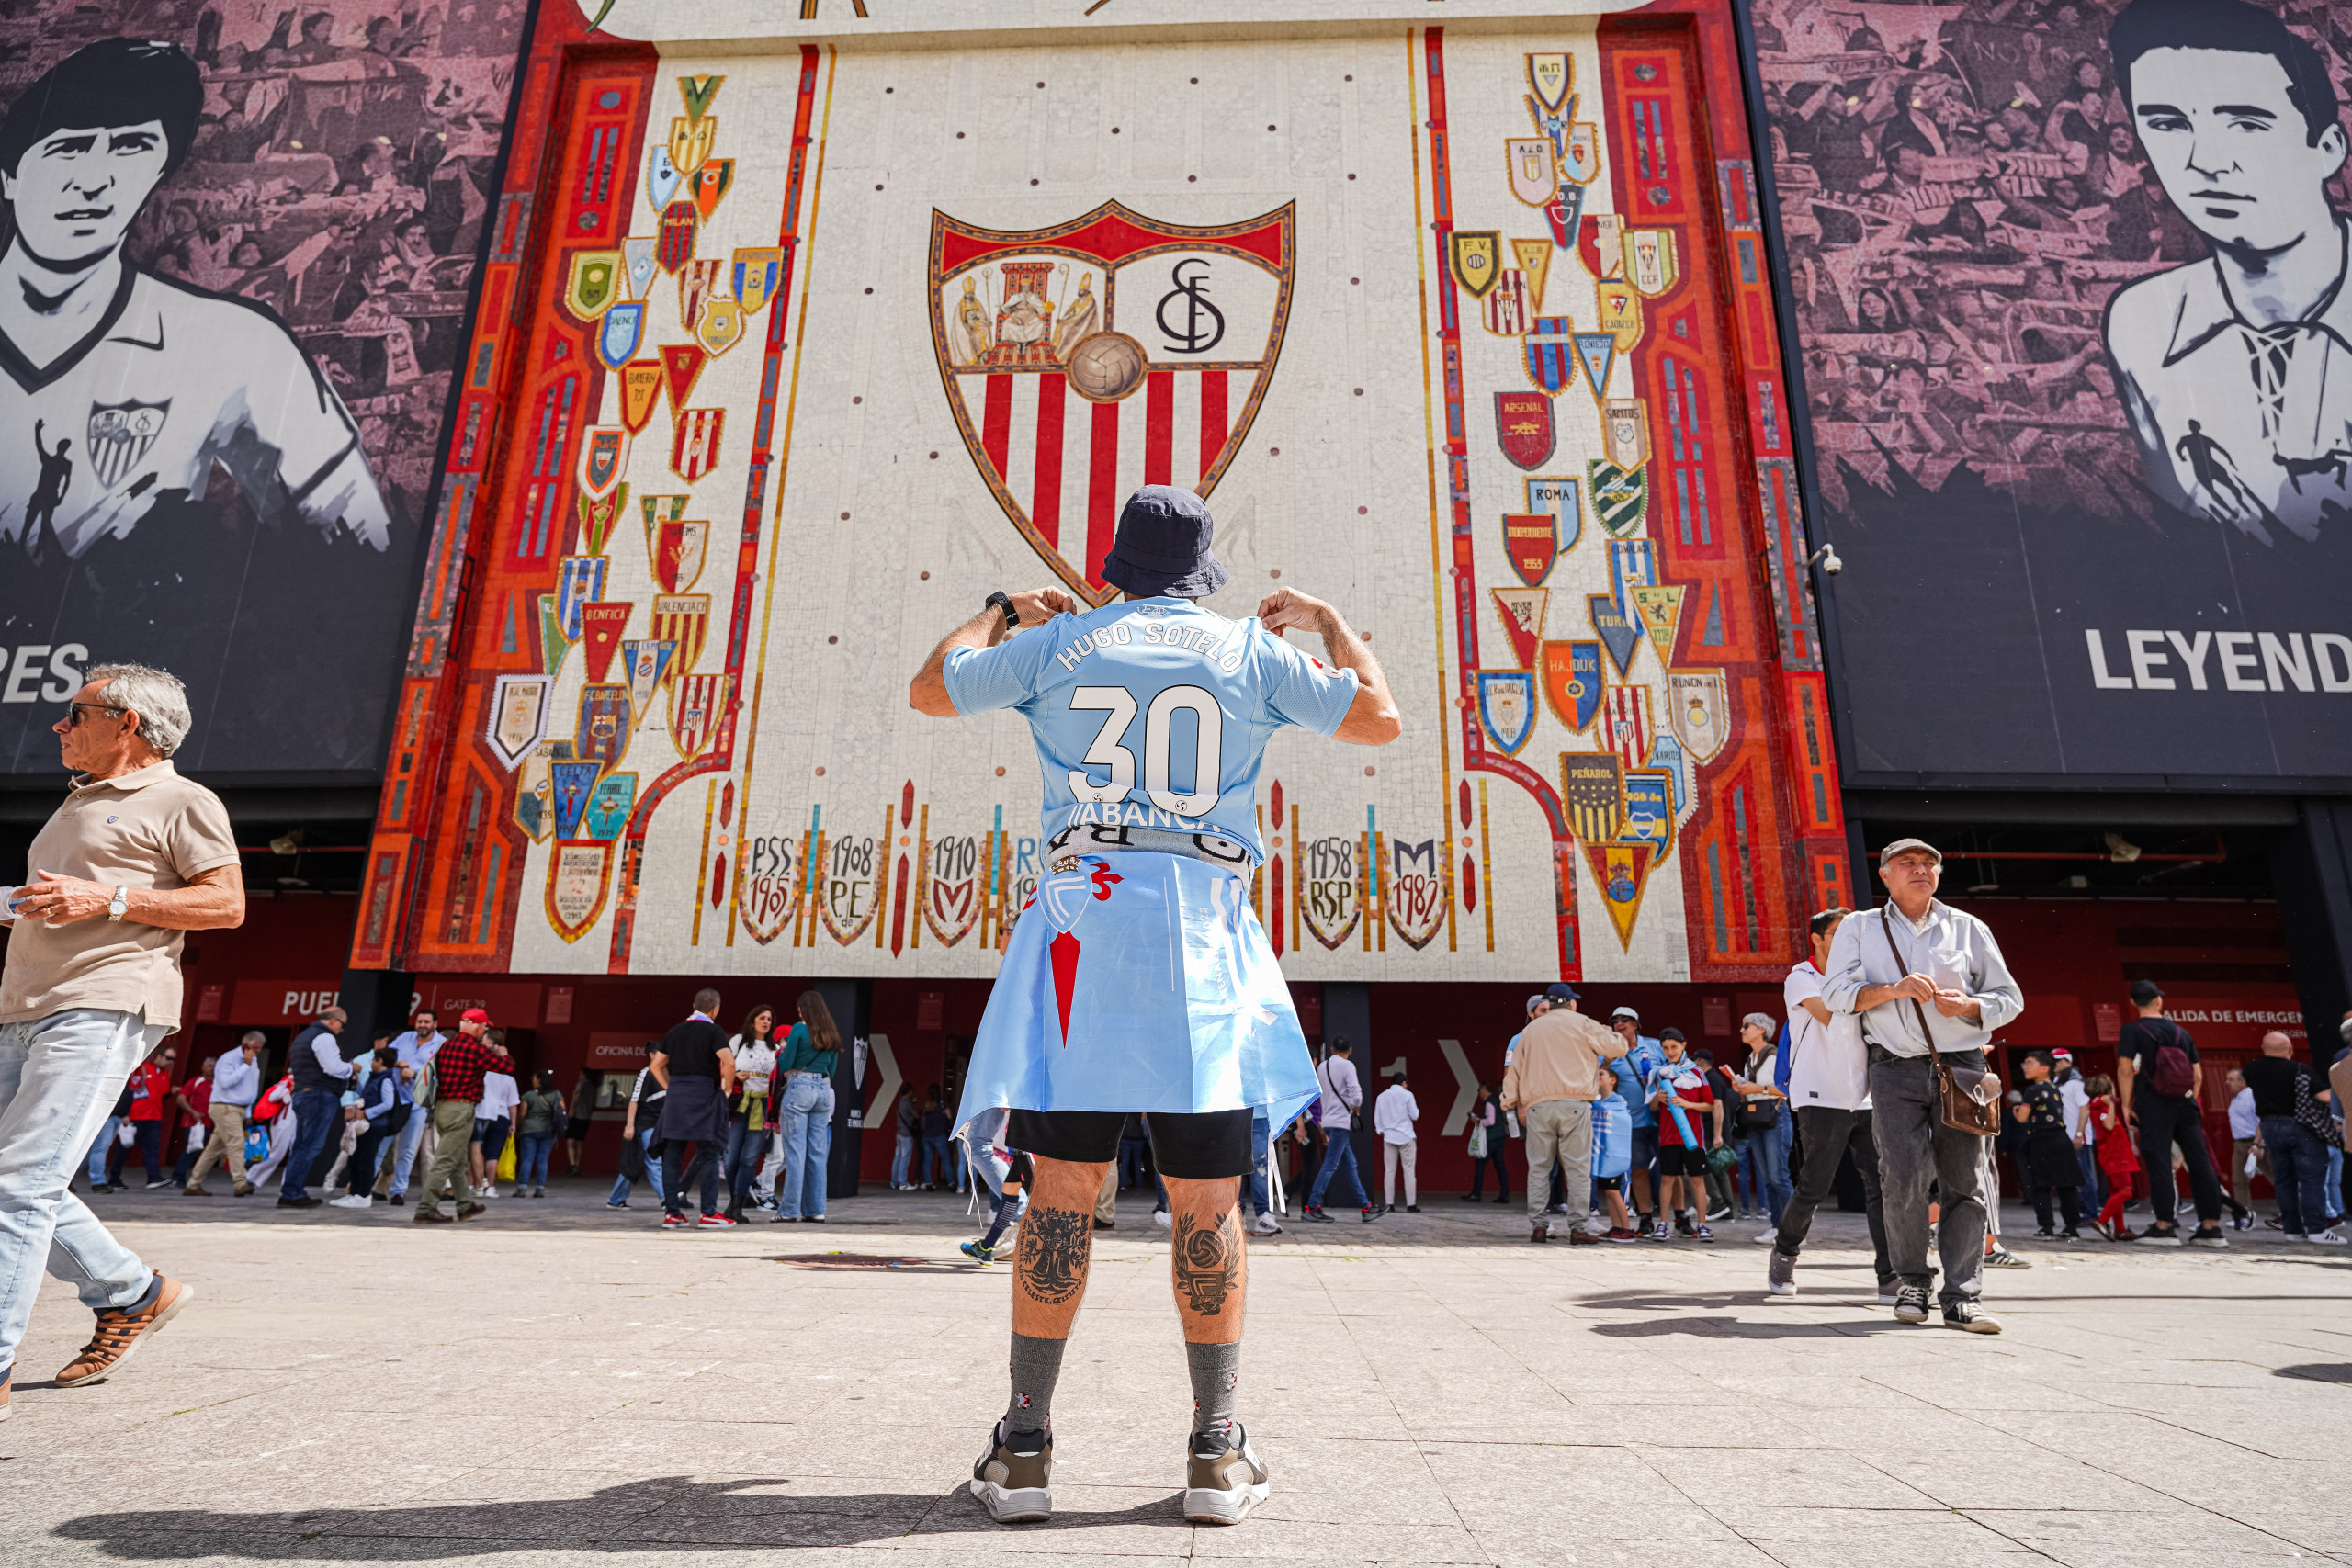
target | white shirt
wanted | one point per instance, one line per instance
(1394, 1113)
(2074, 1100)
(1827, 1066)
(2244, 1122)
(754, 1062)
(499, 1096)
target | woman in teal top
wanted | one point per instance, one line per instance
(805, 1109)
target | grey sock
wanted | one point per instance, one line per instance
(1037, 1367)
(1216, 1369)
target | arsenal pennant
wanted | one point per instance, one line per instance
(641, 390)
(682, 363)
(601, 625)
(1523, 427)
(694, 445)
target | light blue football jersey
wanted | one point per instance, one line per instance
(1152, 713)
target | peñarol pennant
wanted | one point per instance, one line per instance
(1592, 791)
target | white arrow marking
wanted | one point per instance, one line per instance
(885, 1090)
(1464, 1098)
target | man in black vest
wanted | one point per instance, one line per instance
(320, 1072)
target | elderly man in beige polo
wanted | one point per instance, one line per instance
(1552, 1079)
(134, 856)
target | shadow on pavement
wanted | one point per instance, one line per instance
(672, 1512)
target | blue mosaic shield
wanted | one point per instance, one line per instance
(617, 338)
(1550, 355)
(579, 580)
(1507, 707)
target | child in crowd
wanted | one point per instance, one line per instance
(2111, 1137)
(1613, 1154)
(2049, 1153)
(1685, 1107)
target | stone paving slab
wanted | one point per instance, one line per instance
(560, 1383)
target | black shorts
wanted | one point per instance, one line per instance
(1194, 1146)
(1609, 1183)
(1673, 1159)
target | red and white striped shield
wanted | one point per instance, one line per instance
(1085, 359)
(1630, 723)
(695, 712)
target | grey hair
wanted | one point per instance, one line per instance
(253, 1037)
(1763, 1021)
(156, 695)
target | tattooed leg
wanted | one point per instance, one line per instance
(1208, 1264)
(1056, 1241)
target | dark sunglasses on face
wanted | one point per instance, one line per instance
(73, 713)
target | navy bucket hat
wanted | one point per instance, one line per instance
(1163, 546)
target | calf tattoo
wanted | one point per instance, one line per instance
(1055, 1246)
(1208, 1261)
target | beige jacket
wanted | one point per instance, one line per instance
(1559, 1057)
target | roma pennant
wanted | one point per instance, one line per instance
(640, 392)
(1476, 257)
(1557, 494)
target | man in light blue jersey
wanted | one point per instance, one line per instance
(1137, 978)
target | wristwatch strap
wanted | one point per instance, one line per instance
(1003, 602)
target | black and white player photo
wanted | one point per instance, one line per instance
(2236, 369)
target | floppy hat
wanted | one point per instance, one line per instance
(1162, 545)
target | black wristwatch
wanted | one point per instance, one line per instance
(1004, 602)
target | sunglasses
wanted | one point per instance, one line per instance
(73, 713)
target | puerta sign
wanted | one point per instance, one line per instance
(234, 302)
(2071, 292)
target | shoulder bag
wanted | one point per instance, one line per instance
(1969, 1099)
(2314, 1117)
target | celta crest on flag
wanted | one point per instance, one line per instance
(1083, 359)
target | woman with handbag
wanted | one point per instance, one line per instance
(1762, 1124)
(1487, 1141)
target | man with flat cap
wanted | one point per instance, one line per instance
(1921, 977)
(1138, 979)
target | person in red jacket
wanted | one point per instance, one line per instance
(151, 1111)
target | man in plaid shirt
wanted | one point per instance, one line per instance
(457, 1068)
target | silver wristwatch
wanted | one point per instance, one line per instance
(121, 902)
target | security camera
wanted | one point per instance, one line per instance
(1825, 558)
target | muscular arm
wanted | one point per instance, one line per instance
(927, 693)
(1372, 718)
(212, 898)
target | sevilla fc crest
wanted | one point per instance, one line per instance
(120, 436)
(694, 443)
(1523, 427)
(1112, 350)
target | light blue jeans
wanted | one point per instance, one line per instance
(404, 1151)
(101, 1146)
(807, 1119)
(1764, 1167)
(652, 1147)
(58, 1076)
(900, 1160)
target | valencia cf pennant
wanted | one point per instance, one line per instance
(1523, 427)
(684, 619)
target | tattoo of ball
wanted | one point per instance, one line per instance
(1055, 1246)
(1208, 1261)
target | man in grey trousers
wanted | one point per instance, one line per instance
(1916, 973)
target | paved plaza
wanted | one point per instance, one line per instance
(556, 1383)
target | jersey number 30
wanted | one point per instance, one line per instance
(1117, 705)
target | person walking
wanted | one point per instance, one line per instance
(2118, 1160)
(2074, 1094)
(133, 857)
(2047, 1160)
(1341, 1097)
(2248, 1155)
(1550, 1083)
(316, 1063)
(696, 1065)
(640, 1131)
(274, 1112)
(416, 1048)
(1145, 813)
(379, 1095)
(149, 1115)
(2161, 1080)
(1922, 977)
(577, 1112)
(494, 1117)
(541, 1116)
(1001, 1171)
(2281, 1087)
(1689, 1122)
(460, 1066)
(811, 1054)
(907, 1116)
(1613, 1152)
(751, 1113)
(1488, 1144)
(1829, 1086)
(103, 1149)
(236, 1084)
(1392, 1115)
(192, 1100)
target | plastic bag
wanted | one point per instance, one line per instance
(256, 1145)
(1477, 1143)
(128, 1133)
(506, 1158)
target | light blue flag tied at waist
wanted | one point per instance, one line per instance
(1139, 981)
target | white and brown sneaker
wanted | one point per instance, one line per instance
(1224, 1478)
(1015, 1487)
(121, 1331)
(7, 1381)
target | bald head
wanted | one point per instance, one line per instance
(2277, 1044)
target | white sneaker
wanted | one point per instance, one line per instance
(488, 1192)
(1224, 1479)
(1159, 1218)
(356, 1201)
(1765, 1237)
(2325, 1238)
(1266, 1226)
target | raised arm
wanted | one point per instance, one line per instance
(927, 693)
(1372, 718)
